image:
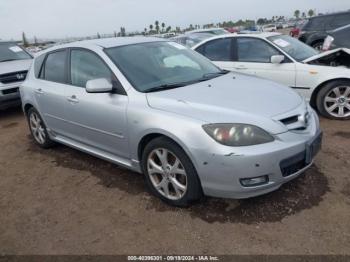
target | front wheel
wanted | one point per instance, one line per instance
(170, 173)
(38, 129)
(333, 100)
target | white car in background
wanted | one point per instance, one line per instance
(322, 78)
(269, 28)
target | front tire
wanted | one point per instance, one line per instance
(333, 100)
(169, 173)
(38, 129)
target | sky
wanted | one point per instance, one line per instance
(77, 18)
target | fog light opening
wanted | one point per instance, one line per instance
(254, 181)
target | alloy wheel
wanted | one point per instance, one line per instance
(337, 102)
(167, 173)
(37, 128)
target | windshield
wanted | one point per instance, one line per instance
(161, 65)
(293, 47)
(11, 51)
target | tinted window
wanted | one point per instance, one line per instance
(318, 23)
(254, 50)
(218, 50)
(86, 66)
(55, 67)
(341, 20)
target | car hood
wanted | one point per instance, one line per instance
(15, 66)
(233, 98)
(325, 54)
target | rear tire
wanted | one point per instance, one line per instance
(333, 100)
(38, 129)
(318, 45)
(169, 173)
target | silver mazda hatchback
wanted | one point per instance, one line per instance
(163, 110)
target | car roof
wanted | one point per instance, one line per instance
(204, 30)
(256, 35)
(108, 42)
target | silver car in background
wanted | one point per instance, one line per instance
(161, 109)
(14, 65)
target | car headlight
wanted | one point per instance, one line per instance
(237, 134)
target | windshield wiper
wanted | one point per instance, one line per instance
(165, 87)
(212, 75)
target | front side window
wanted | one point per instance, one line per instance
(11, 52)
(161, 65)
(55, 67)
(217, 50)
(86, 66)
(254, 50)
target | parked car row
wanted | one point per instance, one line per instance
(161, 109)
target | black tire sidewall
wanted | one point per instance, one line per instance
(322, 94)
(194, 189)
(48, 142)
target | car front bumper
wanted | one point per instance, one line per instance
(9, 95)
(221, 171)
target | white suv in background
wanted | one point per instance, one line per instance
(14, 65)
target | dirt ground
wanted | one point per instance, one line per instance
(61, 201)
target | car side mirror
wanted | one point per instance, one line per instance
(277, 59)
(100, 85)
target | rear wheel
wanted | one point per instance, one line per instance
(170, 173)
(318, 45)
(38, 129)
(333, 100)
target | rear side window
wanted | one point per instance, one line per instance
(318, 23)
(255, 50)
(55, 67)
(341, 20)
(217, 50)
(86, 66)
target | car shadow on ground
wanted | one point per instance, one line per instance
(302, 193)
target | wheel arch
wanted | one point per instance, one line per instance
(146, 138)
(26, 107)
(320, 86)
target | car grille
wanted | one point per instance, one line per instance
(10, 91)
(291, 165)
(13, 77)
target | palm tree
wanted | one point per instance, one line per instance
(297, 14)
(150, 29)
(157, 26)
(163, 26)
(311, 13)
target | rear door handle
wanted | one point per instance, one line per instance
(39, 91)
(73, 99)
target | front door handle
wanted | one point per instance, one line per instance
(73, 99)
(39, 91)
